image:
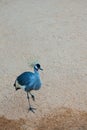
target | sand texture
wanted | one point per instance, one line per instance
(54, 34)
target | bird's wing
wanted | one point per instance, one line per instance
(25, 78)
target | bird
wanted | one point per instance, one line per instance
(29, 81)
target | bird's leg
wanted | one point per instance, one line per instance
(30, 108)
(33, 97)
(28, 99)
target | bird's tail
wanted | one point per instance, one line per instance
(16, 86)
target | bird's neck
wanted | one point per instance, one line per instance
(36, 72)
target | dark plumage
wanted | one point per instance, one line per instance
(29, 81)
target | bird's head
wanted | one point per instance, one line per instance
(37, 67)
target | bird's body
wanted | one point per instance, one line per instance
(29, 81)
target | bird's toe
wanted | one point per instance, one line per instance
(32, 109)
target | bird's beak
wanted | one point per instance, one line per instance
(41, 69)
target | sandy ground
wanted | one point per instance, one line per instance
(53, 33)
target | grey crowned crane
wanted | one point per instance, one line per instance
(29, 81)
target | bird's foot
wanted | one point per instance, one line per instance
(32, 109)
(33, 97)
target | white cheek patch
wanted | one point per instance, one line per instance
(36, 68)
(20, 86)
